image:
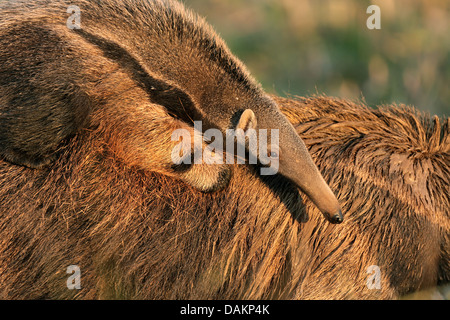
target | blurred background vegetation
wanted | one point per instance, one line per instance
(304, 47)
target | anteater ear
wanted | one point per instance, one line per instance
(247, 120)
(35, 122)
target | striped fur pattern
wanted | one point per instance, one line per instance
(134, 68)
(86, 177)
(136, 234)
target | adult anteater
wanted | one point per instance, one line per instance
(137, 234)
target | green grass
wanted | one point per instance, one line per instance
(303, 47)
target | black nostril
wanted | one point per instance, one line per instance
(337, 218)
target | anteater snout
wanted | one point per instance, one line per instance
(336, 218)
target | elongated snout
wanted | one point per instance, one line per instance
(297, 165)
(293, 161)
(322, 196)
(310, 181)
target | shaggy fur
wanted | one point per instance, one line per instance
(391, 169)
(139, 69)
(136, 234)
(86, 176)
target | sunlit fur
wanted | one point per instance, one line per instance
(136, 234)
(86, 176)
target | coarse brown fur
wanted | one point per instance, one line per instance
(139, 70)
(98, 189)
(391, 167)
(136, 234)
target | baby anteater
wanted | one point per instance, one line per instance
(136, 70)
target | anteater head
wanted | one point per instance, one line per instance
(281, 151)
(127, 75)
